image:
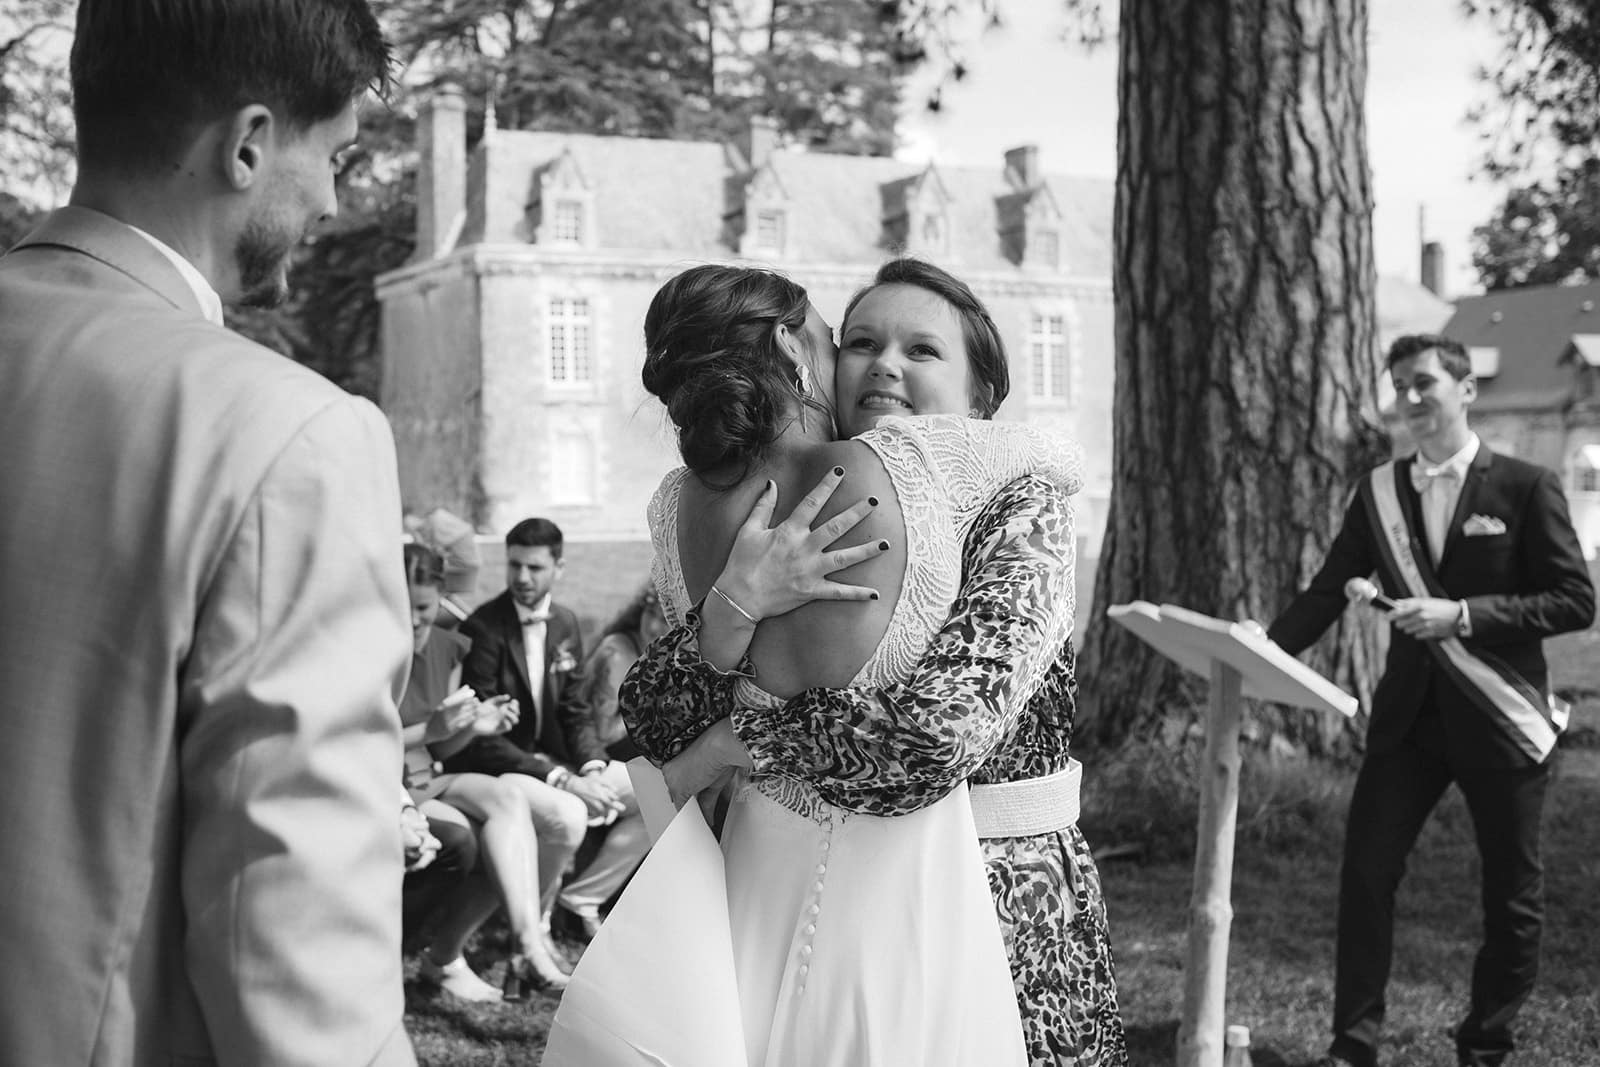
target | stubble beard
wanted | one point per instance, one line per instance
(262, 256)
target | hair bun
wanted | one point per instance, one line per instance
(712, 357)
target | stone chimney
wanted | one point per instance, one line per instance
(759, 140)
(1433, 267)
(441, 171)
(1022, 166)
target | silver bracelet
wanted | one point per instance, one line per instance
(730, 602)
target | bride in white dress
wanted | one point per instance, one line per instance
(811, 937)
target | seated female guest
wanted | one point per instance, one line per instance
(628, 635)
(439, 719)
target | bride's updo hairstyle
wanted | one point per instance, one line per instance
(712, 356)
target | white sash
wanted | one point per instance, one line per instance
(1499, 690)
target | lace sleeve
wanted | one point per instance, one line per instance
(671, 695)
(894, 750)
(666, 574)
(969, 460)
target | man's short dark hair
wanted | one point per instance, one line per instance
(536, 533)
(1453, 355)
(147, 73)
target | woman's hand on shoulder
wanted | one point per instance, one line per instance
(772, 570)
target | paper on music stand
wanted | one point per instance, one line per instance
(1267, 672)
(1144, 619)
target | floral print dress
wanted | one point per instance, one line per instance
(956, 718)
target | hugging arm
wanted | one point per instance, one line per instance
(895, 750)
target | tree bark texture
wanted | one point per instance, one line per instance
(1245, 404)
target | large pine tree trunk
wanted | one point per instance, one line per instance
(1245, 391)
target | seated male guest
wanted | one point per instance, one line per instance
(526, 647)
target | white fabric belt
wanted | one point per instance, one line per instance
(1031, 806)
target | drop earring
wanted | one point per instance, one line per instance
(802, 374)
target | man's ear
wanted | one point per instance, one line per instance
(246, 146)
(1469, 388)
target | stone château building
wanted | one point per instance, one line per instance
(512, 342)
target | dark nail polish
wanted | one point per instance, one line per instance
(839, 471)
(874, 596)
(872, 501)
(883, 546)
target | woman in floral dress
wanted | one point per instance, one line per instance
(895, 750)
(813, 916)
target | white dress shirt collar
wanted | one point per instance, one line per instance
(210, 302)
(540, 612)
(1457, 463)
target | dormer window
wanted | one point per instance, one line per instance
(770, 226)
(933, 234)
(1047, 248)
(566, 222)
(763, 226)
(916, 215)
(563, 205)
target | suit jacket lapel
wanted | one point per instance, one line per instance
(552, 641)
(114, 243)
(555, 633)
(1466, 503)
(518, 647)
(1416, 526)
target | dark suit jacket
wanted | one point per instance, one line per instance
(564, 734)
(1521, 586)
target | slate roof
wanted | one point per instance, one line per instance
(1534, 329)
(1405, 306)
(671, 196)
(649, 195)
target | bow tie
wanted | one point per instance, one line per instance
(533, 617)
(1422, 477)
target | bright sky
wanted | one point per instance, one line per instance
(1028, 85)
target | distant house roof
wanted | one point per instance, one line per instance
(1405, 306)
(1537, 332)
(647, 194)
(673, 196)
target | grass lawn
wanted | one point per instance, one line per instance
(1280, 963)
(1280, 967)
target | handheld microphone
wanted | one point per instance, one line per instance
(1362, 591)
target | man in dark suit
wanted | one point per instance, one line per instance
(1477, 556)
(529, 648)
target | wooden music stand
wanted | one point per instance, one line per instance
(1240, 661)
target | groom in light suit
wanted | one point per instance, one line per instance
(1477, 552)
(206, 626)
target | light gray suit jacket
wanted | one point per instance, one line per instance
(204, 632)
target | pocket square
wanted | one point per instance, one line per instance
(1482, 526)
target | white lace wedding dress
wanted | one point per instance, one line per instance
(813, 936)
